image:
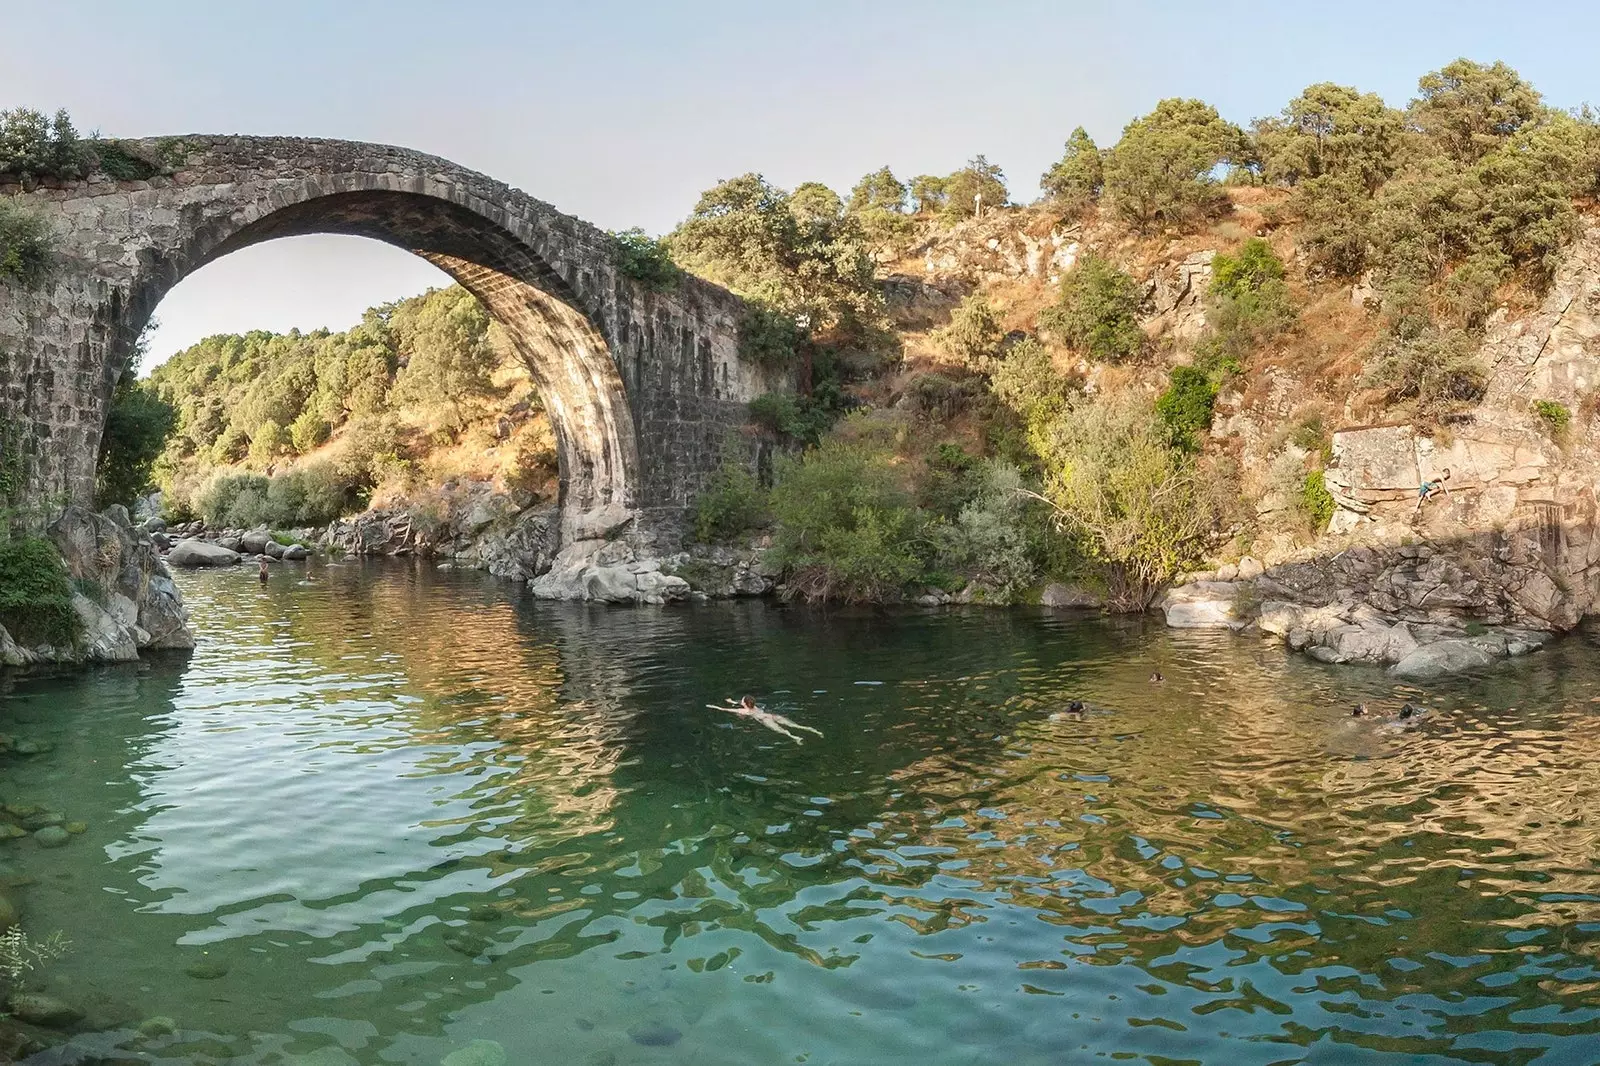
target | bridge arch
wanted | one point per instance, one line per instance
(643, 386)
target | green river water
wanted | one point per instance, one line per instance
(391, 814)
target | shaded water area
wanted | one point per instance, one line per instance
(385, 812)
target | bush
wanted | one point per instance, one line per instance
(1240, 274)
(973, 336)
(940, 397)
(24, 245)
(35, 147)
(978, 178)
(991, 534)
(1026, 380)
(1557, 417)
(1185, 408)
(35, 593)
(845, 529)
(769, 338)
(1098, 311)
(1436, 371)
(1141, 507)
(1335, 224)
(308, 431)
(798, 418)
(644, 259)
(1315, 500)
(215, 502)
(732, 503)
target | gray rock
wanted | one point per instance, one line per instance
(1201, 605)
(654, 1034)
(233, 544)
(1250, 569)
(37, 1009)
(154, 524)
(274, 550)
(197, 553)
(1441, 658)
(477, 1053)
(295, 552)
(52, 836)
(255, 542)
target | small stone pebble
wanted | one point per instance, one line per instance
(76, 828)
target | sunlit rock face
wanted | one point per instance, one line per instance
(645, 387)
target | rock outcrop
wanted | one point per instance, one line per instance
(123, 593)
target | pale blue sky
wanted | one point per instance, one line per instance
(622, 112)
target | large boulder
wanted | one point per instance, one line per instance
(1202, 605)
(197, 553)
(1442, 657)
(256, 541)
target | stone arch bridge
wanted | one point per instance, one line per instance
(644, 387)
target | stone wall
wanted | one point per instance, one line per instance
(645, 388)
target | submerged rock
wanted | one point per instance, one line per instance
(1442, 657)
(37, 1009)
(8, 915)
(207, 969)
(477, 1053)
(52, 836)
(654, 1034)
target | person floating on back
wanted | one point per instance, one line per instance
(746, 708)
(1429, 489)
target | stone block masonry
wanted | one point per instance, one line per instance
(645, 387)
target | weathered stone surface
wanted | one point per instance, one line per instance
(1202, 605)
(1058, 595)
(255, 542)
(195, 553)
(1442, 657)
(644, 385)
(39, 1009)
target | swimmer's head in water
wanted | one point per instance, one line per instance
(1358, 710)
(1408, 711)
(748, 703)
(1075, 706)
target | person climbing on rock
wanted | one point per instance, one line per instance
(746, 708)
(1429, 489)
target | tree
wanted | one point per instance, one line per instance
(979, 178)
(1160, 172)
(1138, 504)
(24, 246)
(1098, 312)
(1468, 109)
(444, 340)
(1078, 177)
(878, 202)
(1332, 130)
(137, 426)
(929, 194)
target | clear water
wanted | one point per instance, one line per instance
(385, 812)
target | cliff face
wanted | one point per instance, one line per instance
(1510, 548)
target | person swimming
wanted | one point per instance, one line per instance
(1409, 711)
(747, 708)
(1156, 678)
(1358, 711)
(1074, 706)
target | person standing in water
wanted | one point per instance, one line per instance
(262, 573)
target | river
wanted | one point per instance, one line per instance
(391, 814)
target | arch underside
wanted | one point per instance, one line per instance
(565, 354)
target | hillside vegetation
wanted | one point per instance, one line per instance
(964, 423)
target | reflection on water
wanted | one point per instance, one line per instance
(385, 812)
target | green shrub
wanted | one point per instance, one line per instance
(1254, 265)
(1557, 417)
(1436, 371)
(991, 536)
(1247, 304)
(1315, 500)
(35, 593)
(24, 245)
(1336, 225)
(938, 396)
(34, 147)
(217, 499)
(1025, 379)
(1134, 503)
(973, 336)
(731, 504)
(978, 177)
(120, 163)
(644, 259)
(769, 338)
(1098, 312)
(308, 431)
(845, 529)
(1185, 408)
(798, 418)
